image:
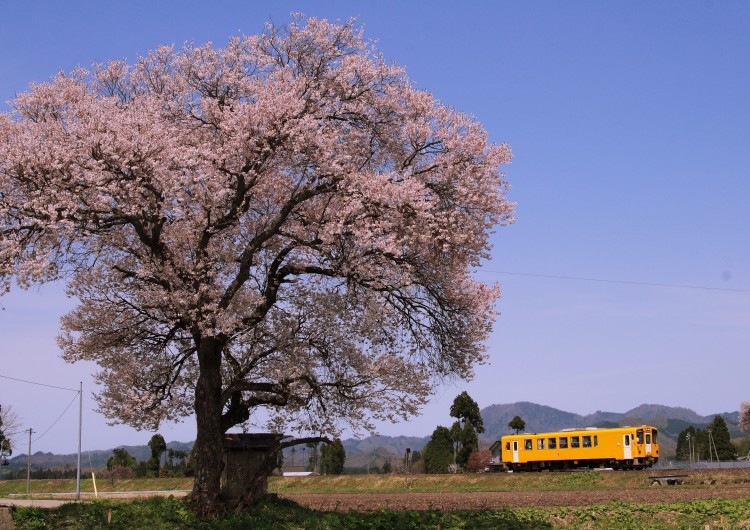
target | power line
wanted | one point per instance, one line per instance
(58, 418)
(49, 386)
(79, 395)
(625, 282)
(38, 384)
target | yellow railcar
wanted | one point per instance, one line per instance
(618, 448)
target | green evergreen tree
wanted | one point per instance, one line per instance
(701, 444)
(467, 410)
(438, 453)
(455, 439)
(697, 441)
(685, 444)
(469, 441)
(517, 424)
(141, 469)
(169, 460)
(190, 463)
(722, 445)
(157, 446)
(179, 462)
(332, 458)
(313, 463)
(465, 431)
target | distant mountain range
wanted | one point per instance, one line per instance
(540, 418)
(375, 450)
(89, 459)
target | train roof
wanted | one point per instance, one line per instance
(583, 430)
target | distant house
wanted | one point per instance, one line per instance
(297, 471)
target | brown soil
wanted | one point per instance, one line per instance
(450, 501)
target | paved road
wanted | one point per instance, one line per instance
(39, 503)
(62, 498)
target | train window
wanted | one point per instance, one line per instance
(552, 443)
(627, 440)
(527, 445)
(648, 438)
(540, 443)
(639, 436)
(596, 441)
(507, 446)
(654, 433)
(587, 441)
(575, 442)
(563, 442)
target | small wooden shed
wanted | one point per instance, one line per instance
(248, 458)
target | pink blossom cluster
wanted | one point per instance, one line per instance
(745, 416)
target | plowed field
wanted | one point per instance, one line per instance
(719, 485)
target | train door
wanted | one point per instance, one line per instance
(515, 451)
(627, 447)
(648, 443)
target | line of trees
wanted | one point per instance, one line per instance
(40, 473)
(326, 459)
(710, 443)
(164, 462)
(177, 463)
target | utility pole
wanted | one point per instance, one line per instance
(28, 465)
(711, 443)
(80, 426)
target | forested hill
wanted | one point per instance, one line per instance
(95, 459)
(541, 418)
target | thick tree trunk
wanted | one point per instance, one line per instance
(206, 495)
(257, 484)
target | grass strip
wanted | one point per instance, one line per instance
(159, 513)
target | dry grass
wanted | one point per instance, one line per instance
(8, 487)
(594, 480)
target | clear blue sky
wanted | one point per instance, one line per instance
(630, 123)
